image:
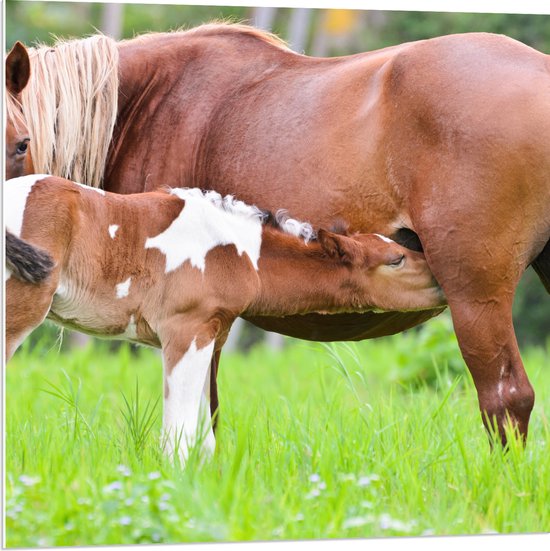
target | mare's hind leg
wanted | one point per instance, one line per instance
(27, 305)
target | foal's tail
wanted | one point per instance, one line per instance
(25, 261)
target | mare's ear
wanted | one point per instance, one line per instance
(338, 246)
(18, 69)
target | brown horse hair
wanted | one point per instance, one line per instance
(221, 27)
(77, 80)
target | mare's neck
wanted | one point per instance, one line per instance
(299, 278)
(175, 81)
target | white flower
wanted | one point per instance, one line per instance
(124, 470)
(125, 521)
(29, 480)
(113, 487)
(314, 493)
(355, 522)
(366, 480)
(389, 523)
(154, 475)
(314, 478)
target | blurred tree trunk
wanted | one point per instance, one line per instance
(232, 342)
(299, 29)
(77, 339)
(111, 20)
(263, 18)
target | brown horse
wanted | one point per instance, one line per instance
(441, 144)
(174, 268)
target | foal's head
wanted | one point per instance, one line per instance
(18, 155)
(394, 278)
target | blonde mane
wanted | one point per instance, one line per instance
(70, 107)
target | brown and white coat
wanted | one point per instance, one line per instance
(173, 269)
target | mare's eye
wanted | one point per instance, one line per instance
(22, 146)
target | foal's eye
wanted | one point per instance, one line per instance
(398, 262)
(22, 146)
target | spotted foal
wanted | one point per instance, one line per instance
(174, 268)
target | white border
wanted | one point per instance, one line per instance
(539, 541)
(472, 6)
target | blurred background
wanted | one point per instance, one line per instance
(316, 32)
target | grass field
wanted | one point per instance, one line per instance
(379, 439)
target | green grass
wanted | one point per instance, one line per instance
(313, 442)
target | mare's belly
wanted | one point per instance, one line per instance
(344, 327)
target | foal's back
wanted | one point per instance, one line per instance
(126, 263)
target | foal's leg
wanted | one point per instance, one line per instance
(187, 356)
(213, 388)
(27, 305)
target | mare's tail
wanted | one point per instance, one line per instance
(25, 261)
(542, 266)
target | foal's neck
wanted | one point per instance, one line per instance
(300, 278)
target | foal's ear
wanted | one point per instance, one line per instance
(338, 246)
(18, 69)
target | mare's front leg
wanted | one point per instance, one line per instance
(188, 352)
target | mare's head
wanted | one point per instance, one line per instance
(18, 155)
(382, 273)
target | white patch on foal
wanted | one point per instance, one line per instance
(384, 238)
(186, 416)
(122, 289)
(205, 222)
(112, 230)
(16, 192)
(90, 188)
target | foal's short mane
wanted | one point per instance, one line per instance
(280, 220)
